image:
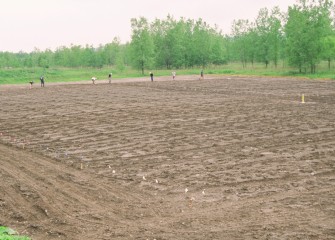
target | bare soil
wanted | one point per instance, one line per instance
(220, 158)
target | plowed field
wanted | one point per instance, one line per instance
(220, 158)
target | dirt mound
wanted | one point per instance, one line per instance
(229, 158)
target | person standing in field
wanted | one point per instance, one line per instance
(173, 75)
(110, 77)
(93, 79)
(31, 84)
(151, 76)
(202, 74)
(42, 81)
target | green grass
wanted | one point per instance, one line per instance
(7, 233)
(280, 71)
(25, 75)
(58, 74)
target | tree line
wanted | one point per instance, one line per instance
(301, 37)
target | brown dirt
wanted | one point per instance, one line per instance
(114, 161)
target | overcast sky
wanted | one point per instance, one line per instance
(26, 24)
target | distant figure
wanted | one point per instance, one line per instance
(152, 76)
(93, 79)
(42, 81)
(202, 74)
(173, 75)
(110, 77)
(31, 84)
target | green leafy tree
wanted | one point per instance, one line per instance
(60, 56)
(329, 49)
(44, 59)
(162, 49)
(263, 33)
(276, 35)
(142, 47)
(111, 51)
(76, 57)
(307, 25)
(269, 35)
(8, 59)
(179, 34)
(243, 37)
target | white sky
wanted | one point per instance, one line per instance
(26, 24)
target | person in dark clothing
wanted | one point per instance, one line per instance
(42, 81)
(202, 74)
(151, 76)
(110, 78)
(31, 84)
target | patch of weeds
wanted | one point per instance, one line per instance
(7, 233)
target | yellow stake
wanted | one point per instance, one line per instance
(303, 98)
